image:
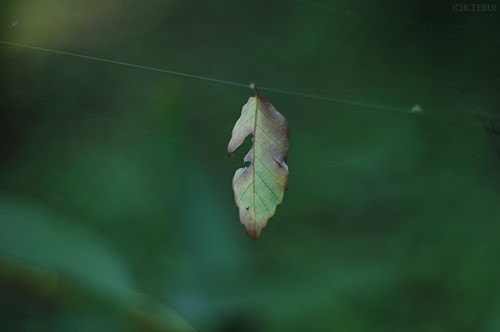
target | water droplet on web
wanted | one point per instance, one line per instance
(417, 109)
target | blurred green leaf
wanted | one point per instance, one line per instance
(72, 266)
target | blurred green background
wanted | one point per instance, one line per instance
(116, 206)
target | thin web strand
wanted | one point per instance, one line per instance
(114, 122)
(126, 64)
(124, 125)
(298, 94)
(305, 95)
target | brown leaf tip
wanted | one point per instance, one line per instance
(253, 235)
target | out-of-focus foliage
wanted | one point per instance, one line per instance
(391, 219)
(68, 267)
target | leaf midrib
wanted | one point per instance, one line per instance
(253, 161)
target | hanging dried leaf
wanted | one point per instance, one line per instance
(259, 187)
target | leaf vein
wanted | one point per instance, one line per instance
(260, 177)
(272, 138)
(263, 203)
(274, 121)
(244, 123)
(267, 168)
(239, 177)
(244, 192)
